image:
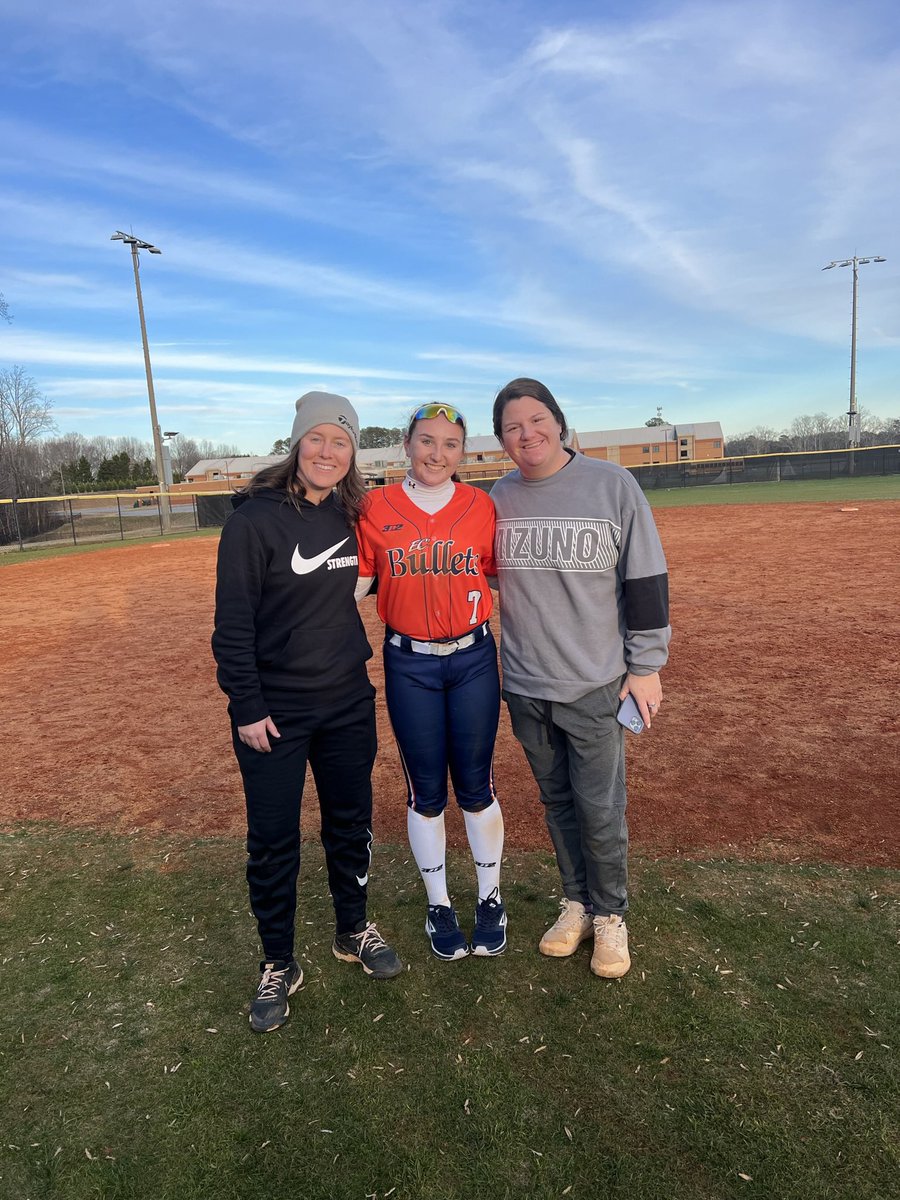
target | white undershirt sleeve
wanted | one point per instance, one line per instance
(363, 584)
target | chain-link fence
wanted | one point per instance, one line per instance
(71, 520)
(771, 468)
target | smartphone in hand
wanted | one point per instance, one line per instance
(629, 715)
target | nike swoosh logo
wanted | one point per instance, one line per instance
(303, 566)
(362, 880)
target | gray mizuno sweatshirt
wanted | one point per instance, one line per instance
(584, 593)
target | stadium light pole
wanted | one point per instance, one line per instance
(853, 414)
(137, 245)
(167, 436)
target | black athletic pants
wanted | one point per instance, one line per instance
(337, 737)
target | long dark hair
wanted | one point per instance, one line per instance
(282, 477)
(518, 388)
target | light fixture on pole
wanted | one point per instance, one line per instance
(136, 245)
(167, 436)
(853, 414)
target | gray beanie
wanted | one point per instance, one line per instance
(321, 408)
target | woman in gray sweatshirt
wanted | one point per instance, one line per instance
(584, 624)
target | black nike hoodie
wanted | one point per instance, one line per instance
(287, 629)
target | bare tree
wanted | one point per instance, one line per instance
(803, 433)
(136, 449)
(67, 447)
(220, 450)
(5, 314)
(877, 431)
(761, 440)
(24, 411)
(24, 415)
(814, 432)
(185, 453)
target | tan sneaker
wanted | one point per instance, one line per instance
(610, 959)
(572, 927)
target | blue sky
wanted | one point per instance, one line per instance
(406, 201)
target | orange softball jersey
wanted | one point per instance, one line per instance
(431, 567)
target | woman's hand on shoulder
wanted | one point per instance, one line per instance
(256, 736)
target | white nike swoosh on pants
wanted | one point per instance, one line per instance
(362, 880)
(303, 566)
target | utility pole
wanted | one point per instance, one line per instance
(165, 514)
(853, 412)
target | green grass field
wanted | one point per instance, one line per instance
(750, 1052)
(837, 491)
(805, 491)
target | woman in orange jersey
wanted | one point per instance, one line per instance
(429, 541)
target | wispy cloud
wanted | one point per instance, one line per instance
(35, 347)
(637, 201)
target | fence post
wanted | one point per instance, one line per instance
(159, 511)
(72, 523)
(119, 511)
(194, 510)
(15, 508)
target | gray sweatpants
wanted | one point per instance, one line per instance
(577, 755)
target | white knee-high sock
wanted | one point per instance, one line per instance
(428, 842)
(485, 833)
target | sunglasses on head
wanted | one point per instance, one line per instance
(427, 411)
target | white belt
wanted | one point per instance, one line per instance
(439, 648)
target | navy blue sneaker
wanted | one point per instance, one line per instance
(490, 926)
(447, 939)
(277, 980)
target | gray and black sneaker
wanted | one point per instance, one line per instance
(277, 981)
(370, 950)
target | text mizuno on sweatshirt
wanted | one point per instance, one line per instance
(583, 583)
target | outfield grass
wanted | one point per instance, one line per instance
(748, 1053)
(838, 491)
(805, 491)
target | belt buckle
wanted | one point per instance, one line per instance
(444, 648)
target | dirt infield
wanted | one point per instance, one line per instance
(777, 739)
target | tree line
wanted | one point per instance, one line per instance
(371, 437)
(35, 460)
(815, 431)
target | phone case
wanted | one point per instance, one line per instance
(629, 715)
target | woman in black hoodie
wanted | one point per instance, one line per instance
(291, 653)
